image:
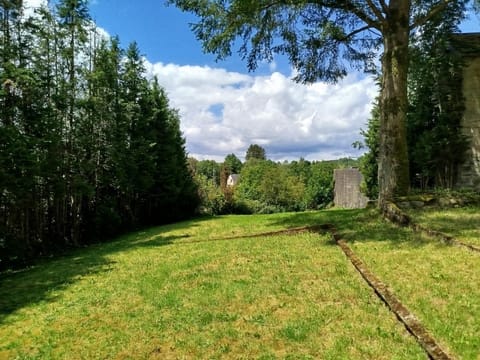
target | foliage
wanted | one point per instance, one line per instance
(369, 161)
(255, 151)
(317, 179)
(324, 40)
(209, 169)
(280, 189)
(232, 164)
(251, 178)
(212, 199)
(88, 147)
(435, 141)
(437, 146)
(319, 185)
(267, 187)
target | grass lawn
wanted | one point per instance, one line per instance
(462, 223)
(437, 282)
(178, 292)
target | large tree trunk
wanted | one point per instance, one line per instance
(393, 168)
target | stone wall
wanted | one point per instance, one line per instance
(469, 172)
(347, 192)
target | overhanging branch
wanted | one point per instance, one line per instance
(355, 32)
(376, 10)
(435, 10)
(350, 6)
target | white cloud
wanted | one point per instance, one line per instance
(223, 112)
(289, 120)
(30, 6)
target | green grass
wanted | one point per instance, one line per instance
(175, 292)
(437, 282)
(462, 223)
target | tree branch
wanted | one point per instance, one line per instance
(384, 6)
(439, 7)
(376, 10)
(355, 32)
(350, 6)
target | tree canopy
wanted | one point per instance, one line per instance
(232, 164)
(88, 146)
(255, 151)
(436, 104)
(324, 40)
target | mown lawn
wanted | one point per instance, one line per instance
(180, 292)
(439, 283)
(462, 223)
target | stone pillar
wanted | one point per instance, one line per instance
(347, 192)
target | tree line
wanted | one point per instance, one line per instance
(325, 39)
(89, 148)
(265, 186)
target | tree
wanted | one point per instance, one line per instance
(232, 164)
(173, 190)
(436, 105)
(319, 186)
(73, 17)
(435, 140)
(88, 146)
(321, 38)
(368, 162)
(210, 169)
(255, 151)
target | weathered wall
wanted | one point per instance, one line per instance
(469, 172)
(347, 189)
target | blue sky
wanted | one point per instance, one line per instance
(223, 107)
(162, 32)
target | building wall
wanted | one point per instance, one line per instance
(469, 172)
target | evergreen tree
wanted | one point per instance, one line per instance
(103, 113)
(73, 20)
(88, 148)
(174, 187)
(255, 151)
(232, 164)
(437, 145)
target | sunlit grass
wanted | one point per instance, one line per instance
(160, 294)
(180, 292)
(437, 282)
(462, 223)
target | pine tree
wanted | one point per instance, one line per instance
(73, 18)
(88, 147)
(104, 109)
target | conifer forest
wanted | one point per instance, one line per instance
(89, 147)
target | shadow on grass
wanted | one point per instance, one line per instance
(40, 283)
(358, 225)
(467, 219)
